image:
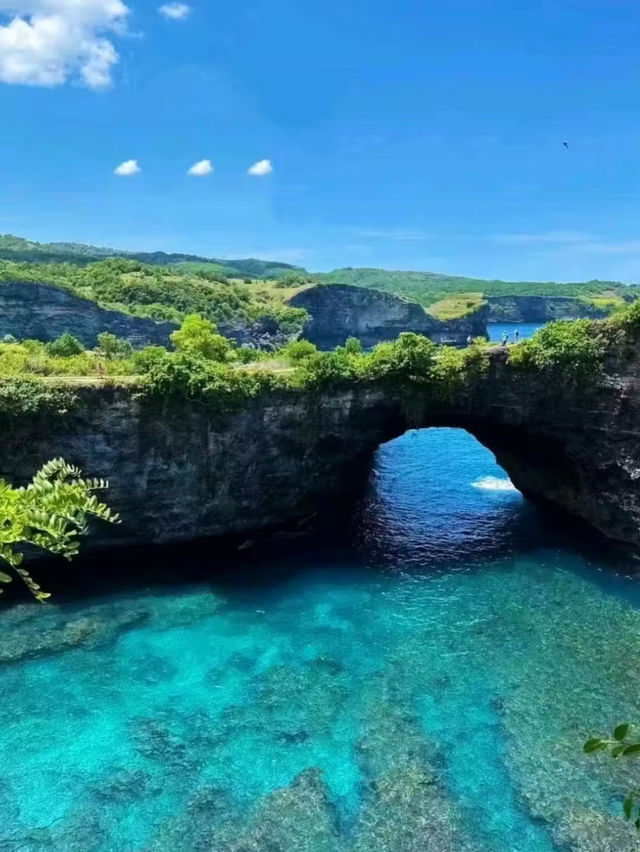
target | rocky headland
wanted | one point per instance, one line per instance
(541, 309)
(339, 311)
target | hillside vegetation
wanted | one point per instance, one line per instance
(19, 249)
(168, 286)
(429, 288)
(163, 293)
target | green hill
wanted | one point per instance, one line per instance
(163, 292)
(22, 250)
(430, 287)
(166, 285)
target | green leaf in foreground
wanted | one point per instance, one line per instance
(621, 731)
(50, 513)
(595, 744)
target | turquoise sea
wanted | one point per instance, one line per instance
(419, 677)
(525, 329)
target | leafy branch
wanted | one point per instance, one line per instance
(50, 513)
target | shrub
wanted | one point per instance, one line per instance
(13, 359)
(325, 370)
(353, 346)
(112, 347)
(199, 336)
(574, 349)
(246, 354)
(145, 359)
(194, 377)
(627, 317)
(298, 350)
(449, 371)
(34, 345)
(30, 396)
(65, 346)
(410, 358)
(75, 365)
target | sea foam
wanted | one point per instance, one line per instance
(493, 483)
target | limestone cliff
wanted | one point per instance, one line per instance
(339, 311)
(178, 470)
(44, 312)
(540, 309)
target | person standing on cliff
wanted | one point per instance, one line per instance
(505, 338)
(469, 340)
(516, 335)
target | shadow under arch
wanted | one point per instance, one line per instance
(429, 500)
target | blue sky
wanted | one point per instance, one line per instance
(409, 134)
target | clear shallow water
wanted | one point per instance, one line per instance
(425, 687)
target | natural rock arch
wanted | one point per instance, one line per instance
(180, 471)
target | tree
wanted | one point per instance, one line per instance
(50, 513)
(113, 347)
(353, 346)
(65, 346)
(409, 358)
(199, 336)
(298, 350)
(145, 359)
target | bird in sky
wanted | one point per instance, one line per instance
(566, 144)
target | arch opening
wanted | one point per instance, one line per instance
(437, 495)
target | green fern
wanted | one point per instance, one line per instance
(50, 513)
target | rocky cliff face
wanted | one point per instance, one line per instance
(44, 312)
(340, 311)
(263, 333)
(180, 471)
(540, 309)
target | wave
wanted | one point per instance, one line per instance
(492, 483)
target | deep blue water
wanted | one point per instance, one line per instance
(432, 675)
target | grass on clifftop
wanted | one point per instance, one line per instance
(456, 307)
(607, 301)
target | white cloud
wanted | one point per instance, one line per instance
(261, 168)
(201, 168)
(50, 42)
(175, 11)
(128, 169)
